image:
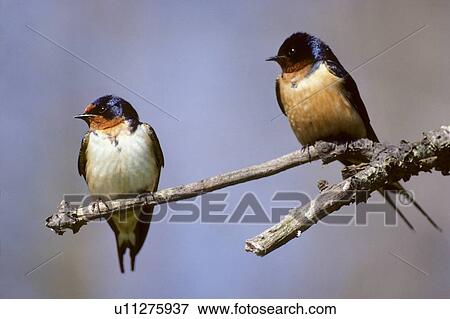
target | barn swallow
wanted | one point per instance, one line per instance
(120, 155)
(321, 100)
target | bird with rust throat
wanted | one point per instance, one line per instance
(322, 102)
(119, 156)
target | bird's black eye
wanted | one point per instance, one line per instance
(101, 109)
(291, 52)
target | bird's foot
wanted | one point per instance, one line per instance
(145, 197)
(307, 150)
(347, 144)
(96, 206)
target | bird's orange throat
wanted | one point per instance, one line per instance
(297, 67)
(297, 71)
(110, 127)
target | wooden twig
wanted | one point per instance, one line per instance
(386, 163)
(74, 219)
(67, 218)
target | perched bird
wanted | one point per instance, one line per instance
(321, 99)
(120, 155)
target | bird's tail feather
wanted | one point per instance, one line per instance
(391, 202)
(395, 188)
(120, 252)
(131, 234)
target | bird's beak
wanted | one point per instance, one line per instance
(83, 116)
(280, 59)
(275, 58)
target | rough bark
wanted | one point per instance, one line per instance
(384, 164)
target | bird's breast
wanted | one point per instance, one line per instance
(121, 164)
(317, 107)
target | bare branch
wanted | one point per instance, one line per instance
(74, 219)
(389, 164)
(386, 163)
(67, 218)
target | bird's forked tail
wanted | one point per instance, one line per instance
(396, 188)
(130, 230)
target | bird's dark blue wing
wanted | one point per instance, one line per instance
(277, 91)
(82, 159)
(156, 146)
(352, 94)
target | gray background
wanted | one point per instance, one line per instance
(203, 62)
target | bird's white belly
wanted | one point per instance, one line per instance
(123, 165)
(317, 108)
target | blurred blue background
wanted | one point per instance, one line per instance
(203, 62)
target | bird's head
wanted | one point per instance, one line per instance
(108, 111)
(300, 50)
